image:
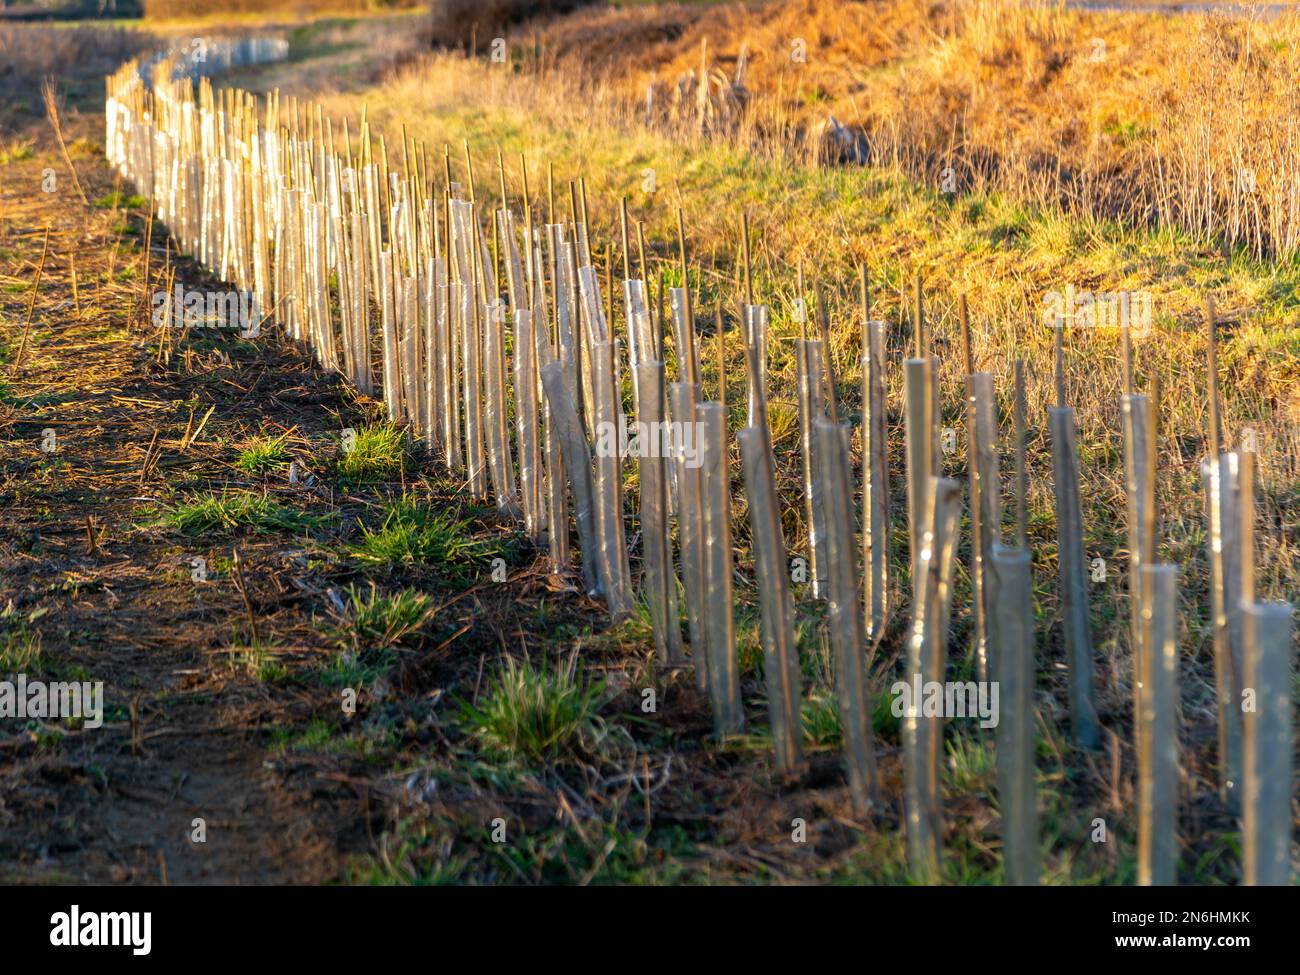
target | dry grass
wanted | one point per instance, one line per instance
(1187, 120)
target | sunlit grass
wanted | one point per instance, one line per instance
(20, 646)
(263, 455)
(376, 620)
(212, 512)
(376, 452)
(538, 712)
(416, 533)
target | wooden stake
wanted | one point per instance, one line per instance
(692, 362)
(1022, 473)
(722, 361)
(1212, 356)
(749, 272)
(824, 319)
(1059, 360)
(627, 245)
(919, 320)
(864, 297)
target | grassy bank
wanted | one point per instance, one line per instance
(1140, 115)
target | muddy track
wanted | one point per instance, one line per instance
(185, 735)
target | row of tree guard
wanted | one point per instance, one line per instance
(487, 332)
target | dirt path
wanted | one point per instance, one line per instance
(184, 735)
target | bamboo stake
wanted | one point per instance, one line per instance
(1126, 354)
(721, 355)
(692, 359)
(918, 321)
(749, 271)
(823, 317)
(76, 295)
(1212, 356)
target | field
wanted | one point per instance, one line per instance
(329, 657)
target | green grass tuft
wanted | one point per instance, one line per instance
(263, 455)
(17, 152)
(260, 660)
(821, 719)
(539, 713)
(415, 534)
(375, 620)
(120, 200)
(377, 453)
(820, 716)
(235, 509)
(20, 646)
